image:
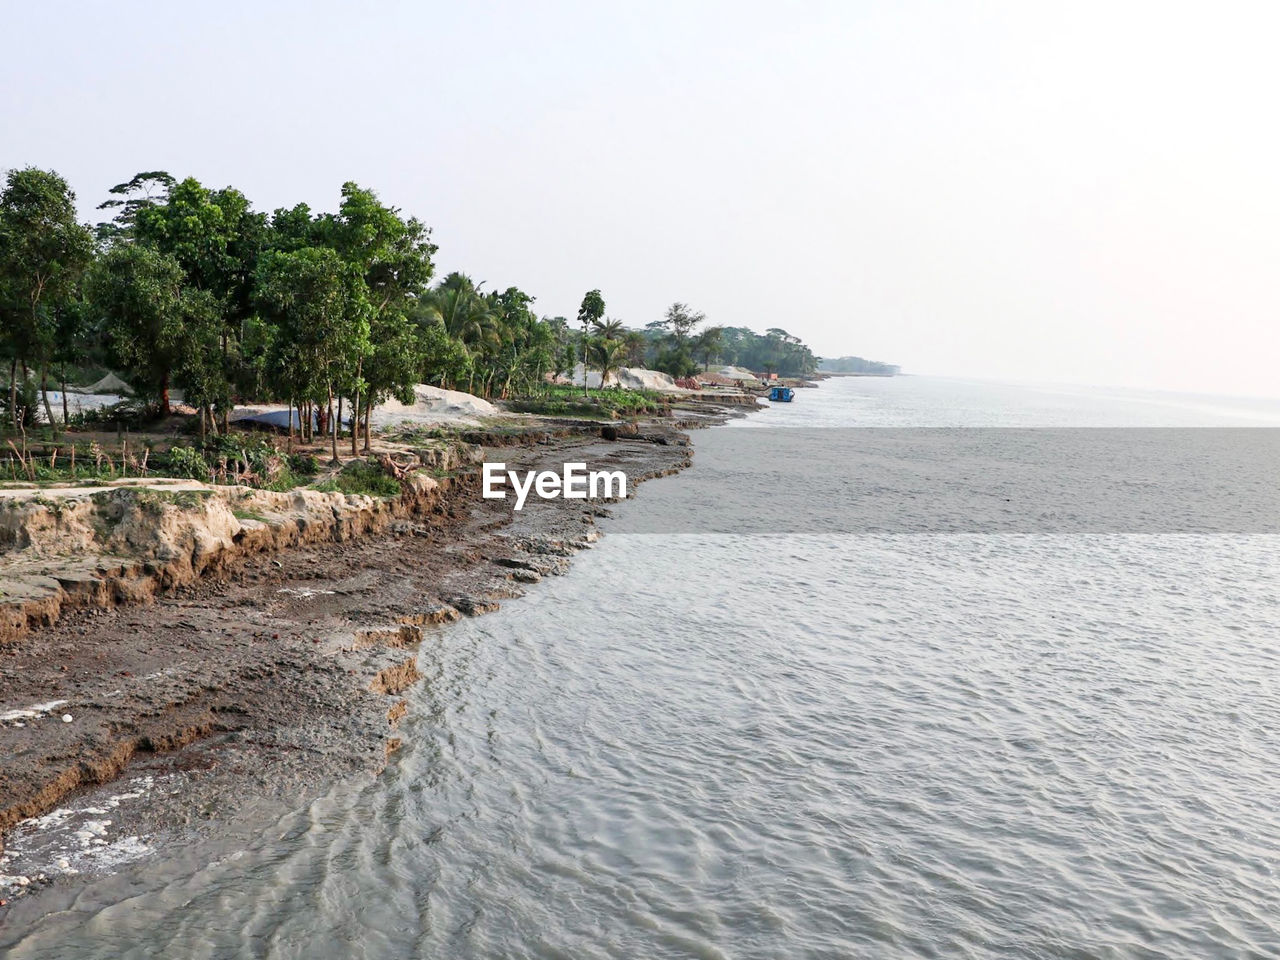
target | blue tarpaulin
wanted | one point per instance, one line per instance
(283, 420)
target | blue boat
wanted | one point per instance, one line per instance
(781, 394)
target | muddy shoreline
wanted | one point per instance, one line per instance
(265, 682)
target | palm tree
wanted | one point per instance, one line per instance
(464, 311)
(467, 317)
(608, 355)
(608, 328)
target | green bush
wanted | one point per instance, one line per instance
(28, 401)
(361, 477)
(304, 464)
(129, 413)
(188, 462)
(611, 402)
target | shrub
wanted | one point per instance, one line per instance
(611, 402)
(361, 477)
(188, 462)
(28, 401)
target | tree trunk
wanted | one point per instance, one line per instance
(368, 415)
(164, 395)
(44, 395)
(333, 427)
(226, 363)
(355, 408)
(203, 434)
(13, 392)
(355, 423)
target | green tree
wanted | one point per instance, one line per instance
(394, 258)
(320, 304)
(144, 190)
(77, 337)
(161, 332)
(676, 356)
(636, 345)
(680, 321)
(707, 344)
(608, 328)
(467, 317)
(608, 355)
(43, 252)
(215, 237)
(590, 312)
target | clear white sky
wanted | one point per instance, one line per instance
(1080, 191)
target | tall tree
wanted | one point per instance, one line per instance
(707, 344)
(321, 306)
(160, 330)
(43, 252)
(215, 237)
(676, 357)
(609, 328)
(145, 189)
(393, 257)
(680, 321)
(590, 312)
(467, 318)
(635, 344)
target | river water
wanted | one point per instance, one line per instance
(799, 745)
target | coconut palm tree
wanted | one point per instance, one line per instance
(467, 316)
(608, 355)
(608, 328)
(466, 313)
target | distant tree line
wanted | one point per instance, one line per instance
(858, 365)
(189, 288)
(676, 346)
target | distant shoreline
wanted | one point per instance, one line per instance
(835, 373)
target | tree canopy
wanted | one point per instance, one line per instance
(187, 287)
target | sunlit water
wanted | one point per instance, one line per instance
(727, 746)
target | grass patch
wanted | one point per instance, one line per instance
(360, 477)
(609, 403)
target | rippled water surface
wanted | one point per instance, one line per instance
(1015, 746)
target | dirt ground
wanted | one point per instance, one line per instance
(265, 686)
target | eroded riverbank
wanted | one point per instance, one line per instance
(268, 681)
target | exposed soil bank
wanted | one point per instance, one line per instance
(267, 677)
(69, 547)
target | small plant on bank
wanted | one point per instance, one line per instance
(360, 477)
(188, 462)
(610, 403)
